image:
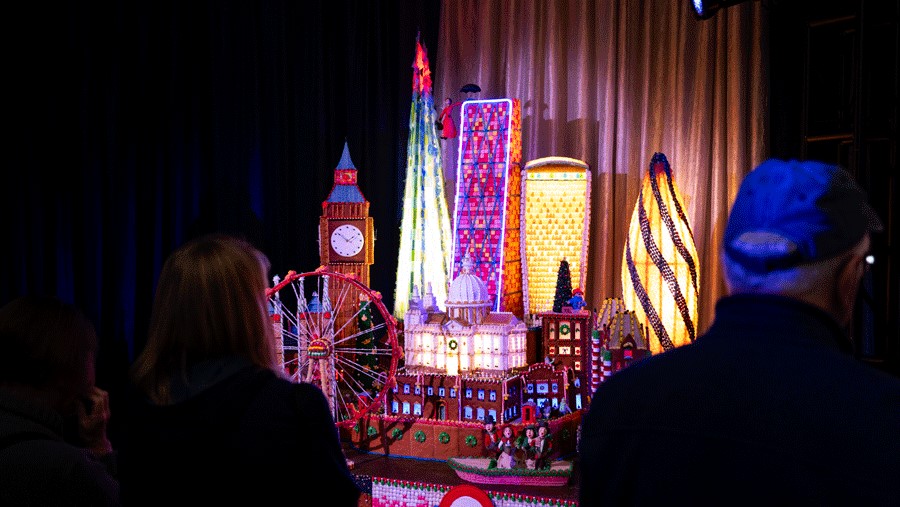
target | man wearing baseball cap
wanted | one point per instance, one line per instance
(769, 405)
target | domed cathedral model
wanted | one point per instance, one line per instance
(465, 358)
(463, 366)
(468, 337)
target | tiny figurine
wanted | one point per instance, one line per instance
(507, 447)
(564, 407)
(490, 437)
(527, 442)
(445, 121)
(577, 300)
(543, 446)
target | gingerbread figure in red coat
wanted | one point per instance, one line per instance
(445, 121)
(490, 437)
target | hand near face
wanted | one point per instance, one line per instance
(93, 417)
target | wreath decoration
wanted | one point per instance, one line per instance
(444, 437)
(452, 344)
(419, 436)
(397, 434)
(372, 431)
(564, 329)
(471, 441)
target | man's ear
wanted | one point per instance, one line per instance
(848, 277)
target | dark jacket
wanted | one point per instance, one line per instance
(38, 467)
(768, 407)
(249, 435)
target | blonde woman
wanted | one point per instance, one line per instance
(212, 415)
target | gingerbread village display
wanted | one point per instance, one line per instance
(480, 356)
(491, 354)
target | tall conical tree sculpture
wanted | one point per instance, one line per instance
(425, 233)
(660, 272)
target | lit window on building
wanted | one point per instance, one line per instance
(405, 388)
(406, 407)
(442, 392)
(542, 388)
(554, 387)
(493, 395)
(565, 351)
(481, 394)
(469, 393)
(552, 350)
(395, 389)
(453, 392)
(529, 388)
(480, 415)
(418, 389)
(430, 391)
(577, 351)
(395, 407)
(467, 412)
(577, 365)
(417, 409)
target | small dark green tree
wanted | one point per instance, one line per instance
(369, 374)
(563, 287)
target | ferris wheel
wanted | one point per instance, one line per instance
(334, 332)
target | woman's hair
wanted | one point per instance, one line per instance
(47, 343)
(210, 303)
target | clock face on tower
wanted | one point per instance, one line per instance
(347, 240)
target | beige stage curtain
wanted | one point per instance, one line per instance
(611, 83)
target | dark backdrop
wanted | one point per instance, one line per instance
(134, 125)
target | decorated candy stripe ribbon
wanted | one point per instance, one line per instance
(670, 225)
(665, 270)
(657, 256)
(641, 293)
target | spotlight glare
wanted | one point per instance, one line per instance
(698, 7)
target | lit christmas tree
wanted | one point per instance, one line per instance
(425, 233)
(563, 287)
(365, 340)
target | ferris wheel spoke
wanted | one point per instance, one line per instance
(367, 384)
(378, 351)
(348, 321)
(350, 364)
(360, 333)
(355, 397)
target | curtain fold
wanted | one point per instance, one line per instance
(612, 83)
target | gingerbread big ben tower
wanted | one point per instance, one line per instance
(346, 231)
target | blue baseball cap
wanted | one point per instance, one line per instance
(789, 213)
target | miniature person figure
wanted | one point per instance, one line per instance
(577, 300)
(543, 446)
(528, 444)
(507, 447)
(445, 122)
(564, 407)
(546, 408)
(490, 437)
